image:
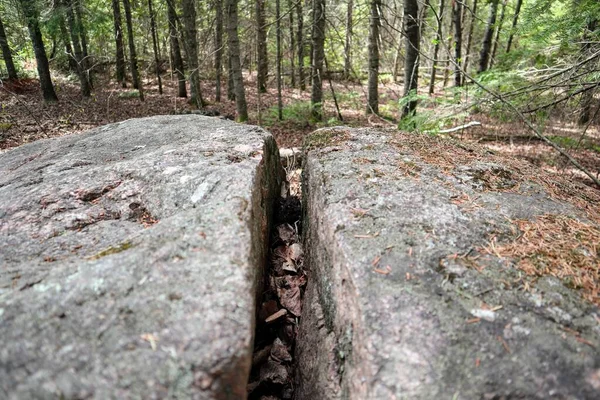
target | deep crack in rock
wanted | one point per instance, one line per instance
(280, 308)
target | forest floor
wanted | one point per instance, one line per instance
(24, 117)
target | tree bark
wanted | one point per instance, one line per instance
(411, 64)
(484, 55)
(470, 37)
(261, 43)
(43, 68)
(514, 25)
(137, 84)
(218, 48)
(436, 48)
(449, 46)
(292, 44)
(176, 49)
(587, 96)
(497, 38)
(7, 55)
(457, 11)
(155, 46)
(79, 58)
(64, 35)
(86, 62)
(398, 55)
(373, 92)
(234, 53)
(278, 57)
(230, 84)
(318, 44)
(348, 43)
(300, 42)
(120, 55)
(311, 51)
(191, 51)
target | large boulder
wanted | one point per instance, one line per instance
(409, 296)
(131, 257)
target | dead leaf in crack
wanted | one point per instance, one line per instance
(296, 253)
(281, 260)
(285, 233)
(273, 371)
(288, 291)
(289, 267)
(261, 356)
(279, 351)
(289, 329)
(290, 299)
(287, 259)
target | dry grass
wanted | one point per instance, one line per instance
(559, 246)
(447, 154)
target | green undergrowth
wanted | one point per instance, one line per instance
(299, 113)
(572, 143)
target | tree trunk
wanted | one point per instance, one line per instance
(300, 41)
(318, 44)
(176, 49)
(411, 63)
(43, 68)
(497, 38)
(449, 46)
(230, 84)
(75, 37)
(119, 42)
(484, 55)
(457, 41)
(436, 48)
(348, 44)
(373, 93)
(86, 62)
(292, 45)
(398, 55)
(191, 51)
(6, 54)
(278, 57)
(155, 46)
(218, 48)
(64, 35)
(311, 51)
(137, 84)
(234, 52)
(587, 96)
(470, 36)
(514, 25)
(261, 43)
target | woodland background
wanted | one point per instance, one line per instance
(520, 76)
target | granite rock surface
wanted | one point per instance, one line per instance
(403, 303)
(131, 257)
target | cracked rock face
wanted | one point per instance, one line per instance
(401, 302)
(131, 258)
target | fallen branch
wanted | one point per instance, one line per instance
(461, 127)
(534, 129)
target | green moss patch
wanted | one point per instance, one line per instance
(112, 250)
